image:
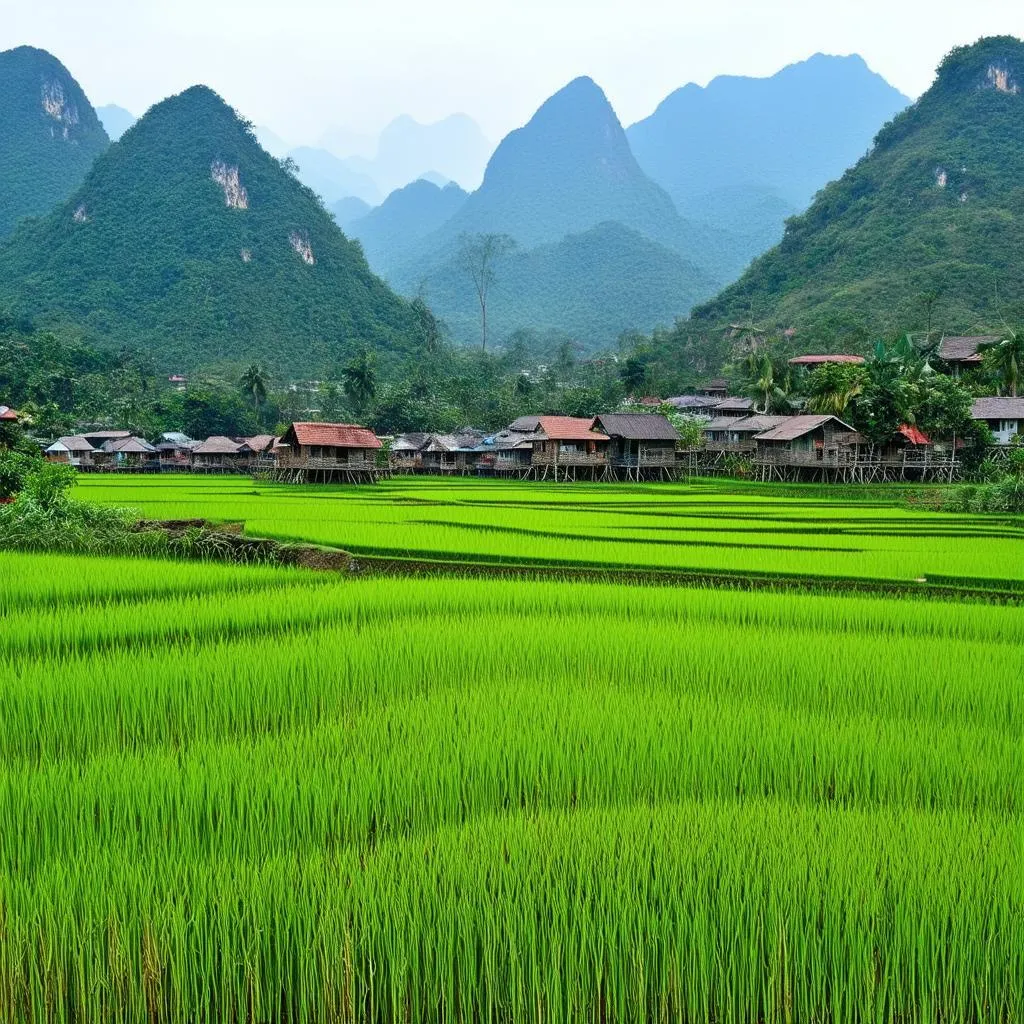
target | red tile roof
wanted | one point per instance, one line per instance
(913, 435)
(335, 435)
(568, 428)
(815, 360)
(7, 413)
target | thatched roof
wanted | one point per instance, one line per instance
(221, 446)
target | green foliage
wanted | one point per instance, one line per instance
(49, 135)
(592, 286)
(15, 467)
(158, 259)
(831, 387)
(924, 232)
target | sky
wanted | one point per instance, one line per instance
(303, 66)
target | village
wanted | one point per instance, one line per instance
(728, 436)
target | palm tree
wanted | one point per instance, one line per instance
(254, 381)
(1006, 358)
(832, 387)
(766, 386)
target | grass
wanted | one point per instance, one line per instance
(707, 526)
(253, 794)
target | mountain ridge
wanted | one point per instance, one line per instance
(49, 134)
(188, 240)
(928, 225)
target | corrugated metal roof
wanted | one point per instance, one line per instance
(637, 426)
(793, 427)
(738, 404)
(73, 443)
(694, 401)
(998, 409)
(524, 424)
(964, 348)
(745, 424)
(568, 428)
(335, 435)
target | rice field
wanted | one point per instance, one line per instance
(242, 794)
(700, 527)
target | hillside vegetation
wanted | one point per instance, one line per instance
(187, 240)
(49, 135)
(928, 226)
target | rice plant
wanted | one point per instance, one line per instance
(248, 794)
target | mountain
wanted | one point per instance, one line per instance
(928, 227)
(569, 169)
(454, 147)
(189, 241)
(115, 120)
(406, 216)
(333, 179)
(743, 154)
(592, 286)
(49, 135)
(346, 211)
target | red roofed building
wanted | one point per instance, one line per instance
(7, 414)
(566, 447)
(327, 453)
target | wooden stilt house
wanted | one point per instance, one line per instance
(642, 446)
(328, 453)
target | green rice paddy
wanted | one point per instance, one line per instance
(245, 794)
(703, 527)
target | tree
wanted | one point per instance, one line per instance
(359, 380)
(634, 375)
(477, 256)
(831, 387)
(1006, 359)
(767, 384)
(254, 381)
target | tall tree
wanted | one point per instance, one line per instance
(359, 380)
(1006, 358)
(478, 255)
(254, 381)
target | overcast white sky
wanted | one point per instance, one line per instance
(300, 66)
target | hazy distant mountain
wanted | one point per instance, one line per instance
(591, 286)
(115, 120)
(567, 170)
(188, 240)
(929, 227)
(742, 154)
(271, 141)
(343, 142)
(333, 179)
(406, 216)
(349, 209)
(49, 134)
